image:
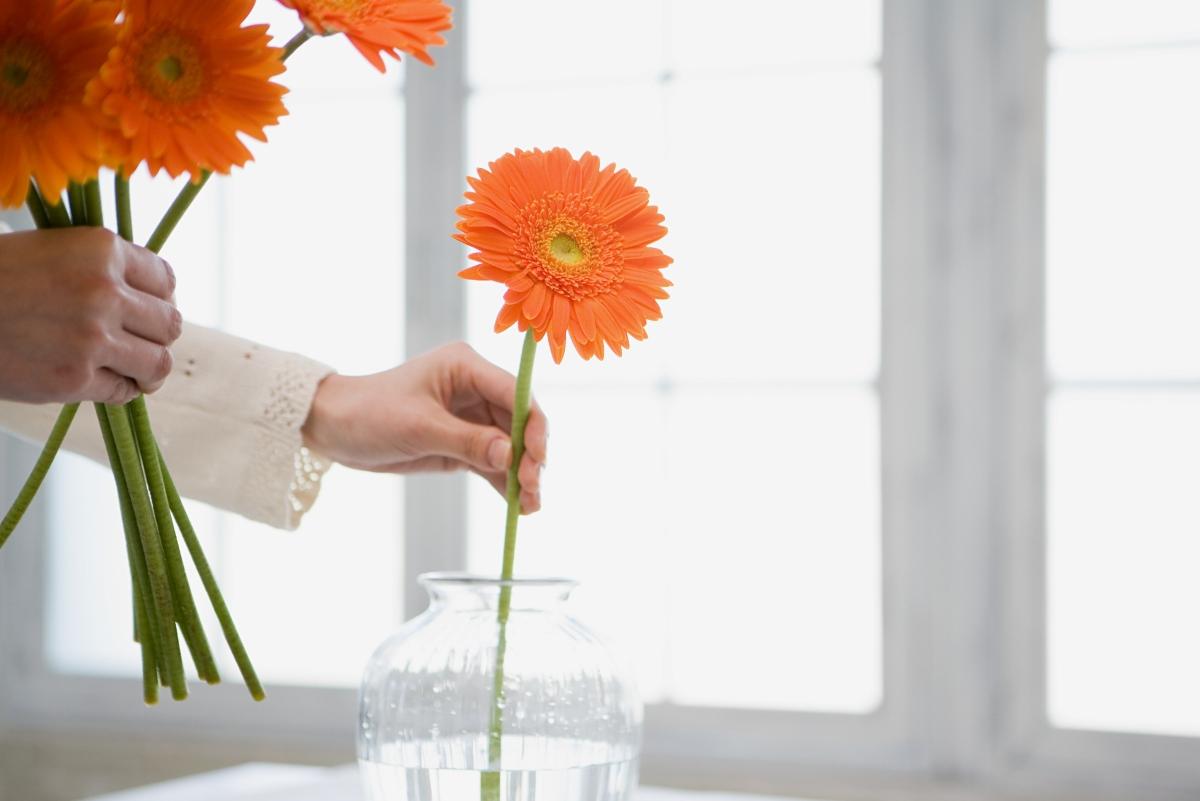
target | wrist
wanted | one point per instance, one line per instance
(326, 416)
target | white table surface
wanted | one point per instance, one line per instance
(267, 782)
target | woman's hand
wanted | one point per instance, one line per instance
(84, 316)
(447, 410)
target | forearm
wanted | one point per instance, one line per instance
(228, 421)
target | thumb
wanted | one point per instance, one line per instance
(485, 448)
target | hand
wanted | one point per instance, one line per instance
(84, 316)
(447, 410)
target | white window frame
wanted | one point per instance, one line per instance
(962, 392)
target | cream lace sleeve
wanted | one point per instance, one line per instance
(228, 420)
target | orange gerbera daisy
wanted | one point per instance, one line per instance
(184, 80)
(48, 52)
(376, 27)
(571, 242)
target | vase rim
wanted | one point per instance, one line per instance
(463, 579)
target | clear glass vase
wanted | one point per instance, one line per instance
(569, 718)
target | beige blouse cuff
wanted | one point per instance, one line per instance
(228, 421)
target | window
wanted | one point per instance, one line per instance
(898, 495)
(1123, 408)
(673, 487)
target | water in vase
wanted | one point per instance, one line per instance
(605, 782)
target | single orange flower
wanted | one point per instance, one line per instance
(571, 242)
(184, 80)
(376, 27)
(49, 50)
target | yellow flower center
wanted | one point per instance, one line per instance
(26, 75)
(170, 68)
(567, 246)
(16, 74)
(563, 242)
(566, 250)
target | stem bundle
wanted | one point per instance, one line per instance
(163, 606)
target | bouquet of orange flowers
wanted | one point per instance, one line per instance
(174, 85)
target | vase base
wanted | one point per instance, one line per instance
(612, 781)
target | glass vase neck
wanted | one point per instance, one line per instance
(466, 591)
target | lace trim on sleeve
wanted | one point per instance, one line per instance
(280, 454)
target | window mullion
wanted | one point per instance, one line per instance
(22, 613)
(435, 509)
(22, 598)
(962, 316)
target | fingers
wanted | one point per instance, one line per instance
(499, 482)
(530, 502)
(147, 272)
(150, 318)
(530, 474)
(537, 433)
(498, 387)
(483, 448)
(146, 363)
(531, 492)
(109, 387)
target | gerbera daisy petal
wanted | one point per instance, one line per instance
(623, 207)
(541, 323)
(508, 315)
(184, 82)
(557, 231)
(558, 348)
(560, 317)
(534, 301)
(576, 331)
(587, 319)
(379, 27)
(49, 50)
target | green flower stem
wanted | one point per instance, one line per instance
(93, 204)
(57, 212)
(38, 474)
(513, 487)
(184, 199)
(78, 203)
(139, 577)
(181, 593)
(124, 213)
(128, 523)
(125, 231)
(210, 586)
(44, 216)
(160, 583)
(175, 212)
(490, 780)
(294, 43)
(37, 209)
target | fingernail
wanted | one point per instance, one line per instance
(498, 454)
